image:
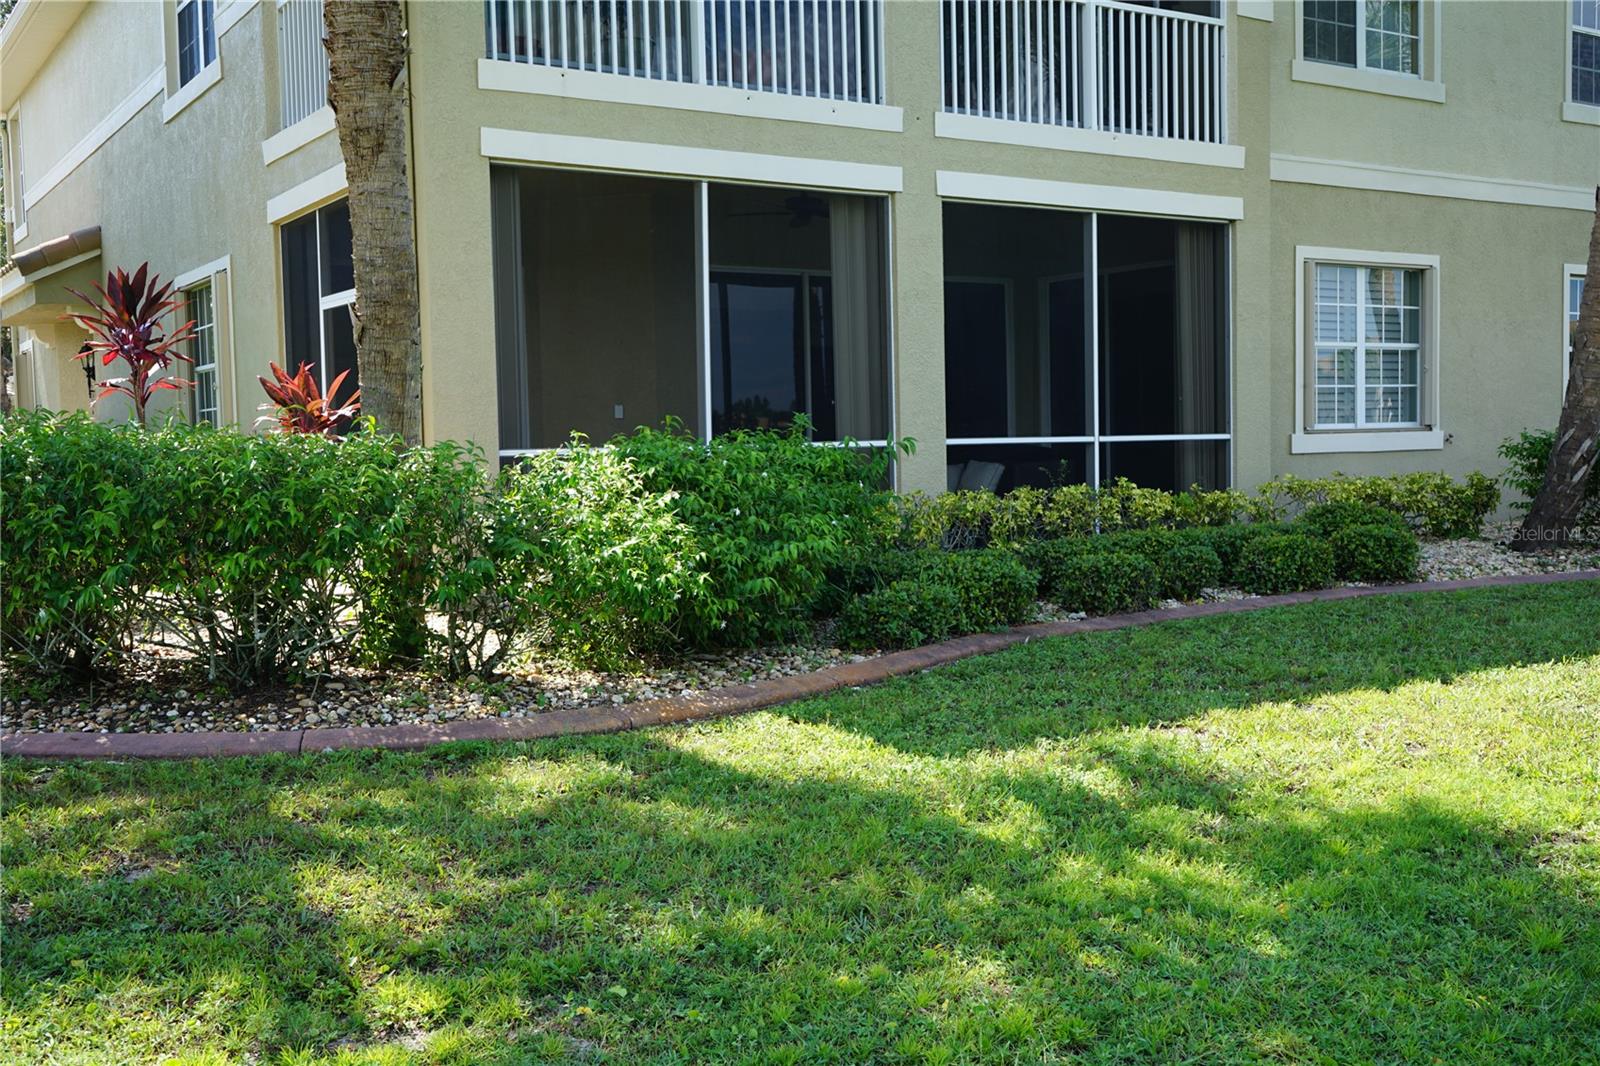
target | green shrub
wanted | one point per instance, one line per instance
(79, 537)
(1375, 553)
(771, 513)
(963, 520)
(615, 572)
(994, 587)
(1229, 542)
(903, 614)
(1325, 519)
(1434, 504)
(1285, 562)
(1082, 578)
(1529, 456)
(1186, 569)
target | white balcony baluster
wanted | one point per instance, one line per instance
(1094, 64)
(302, 60)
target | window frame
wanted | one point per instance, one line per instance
(1426, 84)
(1309, 437)
(208, 333)
(15, 176)
(1570, 272)
(1573, 109)
(182, 92)
(326, 301)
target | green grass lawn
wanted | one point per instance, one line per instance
(1351, 832)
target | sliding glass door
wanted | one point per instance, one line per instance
(623, 301)
(1080, 348)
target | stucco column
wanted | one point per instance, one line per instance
(919, 333)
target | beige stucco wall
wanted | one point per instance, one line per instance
(192, 190)
(180, 194)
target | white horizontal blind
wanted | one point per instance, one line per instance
(1096, 64)
(302, 60)
(823, 48)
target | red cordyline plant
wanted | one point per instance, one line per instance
(298, 405)
(125, 323)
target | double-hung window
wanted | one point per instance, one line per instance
(1370, 35)
(1586, 52)
(319, 289)
(1367, 331)
(200, 306)
(197, 38)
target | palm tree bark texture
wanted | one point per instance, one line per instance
(366, 45)
(1553, 518)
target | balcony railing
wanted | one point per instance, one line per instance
(824, 48)
(302, 60)
(1092, 64)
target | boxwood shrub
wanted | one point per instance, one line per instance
(1326, 519)
(903, 614)
(1375, 553)
(1285, 562)
(993, 588)
(1081, 577)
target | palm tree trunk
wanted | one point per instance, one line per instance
(366, 62)
(1552, 520)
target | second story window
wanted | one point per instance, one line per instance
(1586, 52)
(1371, 35)
(197, 38)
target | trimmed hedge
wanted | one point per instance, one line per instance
(1379, 553)
(1285, 562)
(993, 588)
(1325, 519)
(903, 614)
(1095, 581)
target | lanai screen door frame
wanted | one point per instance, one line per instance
(1096, 438)
(703, 269)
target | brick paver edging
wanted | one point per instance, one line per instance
(718, 703)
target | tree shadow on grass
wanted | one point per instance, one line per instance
(775, 888)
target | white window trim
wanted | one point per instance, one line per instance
(16, 174)
(1427, 437)
(678, 161)
(1112, 199)
(1071, 139)
(312, 193)
(181, 96)
(214, 367)
(1569, 271)
(501, 75)
(1427, 85)
(208, 273)
(1574, 110)
(292, 138)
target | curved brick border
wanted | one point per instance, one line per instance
(718, 703)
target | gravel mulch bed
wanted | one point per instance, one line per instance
(160, 695)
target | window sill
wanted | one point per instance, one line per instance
(504, 76)
(1097, 142)
(1587, 114)
(192, 91)
(1334, 441)
(1367, 81)
(302, 133)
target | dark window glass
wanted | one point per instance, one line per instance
(1162, 317)
(1330, 31)
(976, 325)
(197, 38)
(758, 352)
(338, 271)
(1585, 67)
(1172, 465)
(339, 345)
(302, 334)
(1003, 467)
